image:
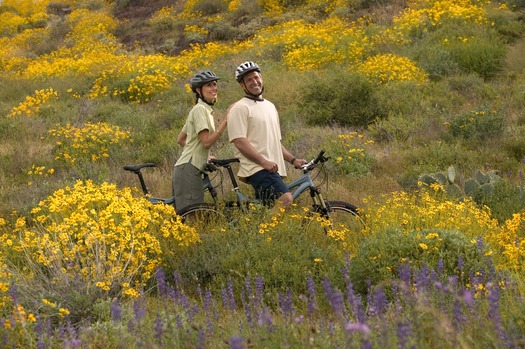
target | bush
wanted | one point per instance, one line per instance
(477, 125)
(380, 257)
(504, 200)
(281, 249)
(89, 242)
(210, 7)
(436, 61)
(343, 98)
(482, 56)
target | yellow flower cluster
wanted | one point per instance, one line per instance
(86, 144)
(40, 171)
(27, 7)
(311, 46)
(31, 104)
(430, 209)
(91, 26)
(426, 14)
(354, 144)
(511, 239)
(195, 29)
(389, 67)
(102, 234)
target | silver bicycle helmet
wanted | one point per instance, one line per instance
(244, 69)
(201, 78)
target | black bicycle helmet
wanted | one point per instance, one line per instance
(244, 69)
(201, 78)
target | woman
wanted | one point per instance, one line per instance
(196, 138)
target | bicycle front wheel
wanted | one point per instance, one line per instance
(343, 217)
(204, 217)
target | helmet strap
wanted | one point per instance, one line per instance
(254, 97)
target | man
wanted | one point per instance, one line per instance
(254, 130)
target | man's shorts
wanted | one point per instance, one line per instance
(268, 186)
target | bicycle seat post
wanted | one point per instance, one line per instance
(232, 177)
(142, 183)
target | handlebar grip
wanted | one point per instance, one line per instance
(319, 156)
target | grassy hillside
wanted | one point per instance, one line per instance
(403, 95)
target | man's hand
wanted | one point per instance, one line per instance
(270, 166)
(298, 163)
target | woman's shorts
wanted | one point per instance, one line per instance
(268, 186)
(187, 185)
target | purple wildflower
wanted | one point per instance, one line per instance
(358, 327)
(201, 339)
(354, 300)
(405, 273)
(178, 321)
(161, 281)
(39, 331)
(404, 332)
(236, 342)
(116, 311)
(494, 313)
(468, 298)
(13, 293)
(259, 289)
(265, 319)
(459, 317)
(247, 309)
(159, 328)
(422, 279)
(480, 244)
(441, 266)
(225, 300)
(379, 303)
(286, 301)
(231, 295)
(461, 264)
(312, 304)
(139, 310)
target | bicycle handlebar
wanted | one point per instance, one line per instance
(320, 158)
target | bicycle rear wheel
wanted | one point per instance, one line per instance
(205, 217)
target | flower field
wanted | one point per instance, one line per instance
(418, 103)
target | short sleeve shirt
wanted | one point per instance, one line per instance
(199, 119)
(258, 122)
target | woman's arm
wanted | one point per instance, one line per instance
(207, 139)
(181, 138)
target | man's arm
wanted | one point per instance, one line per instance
(249, 151)
(291, 159)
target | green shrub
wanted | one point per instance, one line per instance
(221, 30)
(436, 61)
(514, 142)
(482, 56)
(477, 125)
(504, 200)
(343, 98)
(449, 253)
(280, 248)
(210, 7)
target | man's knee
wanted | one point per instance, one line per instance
(286, 200)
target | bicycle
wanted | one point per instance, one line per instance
(339, 214)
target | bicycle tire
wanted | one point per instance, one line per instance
(205, 217)
(343, 216)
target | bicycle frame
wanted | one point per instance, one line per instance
(297, 187)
